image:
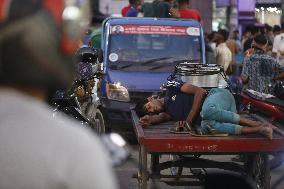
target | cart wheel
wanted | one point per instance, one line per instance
(175, 171)
(257, 166)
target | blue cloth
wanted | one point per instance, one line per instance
(132, 12)
(177, 103)
(219, 112)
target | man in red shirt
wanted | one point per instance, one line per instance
(125, 9)
(186, 12)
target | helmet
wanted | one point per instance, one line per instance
(38, 39)
(86, 55)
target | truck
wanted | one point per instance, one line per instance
(139, 54)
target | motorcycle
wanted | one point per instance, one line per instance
(80, 101)
(266, 107)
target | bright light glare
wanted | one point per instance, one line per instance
(71, 13)
(117, 139)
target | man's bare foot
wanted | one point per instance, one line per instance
(267, 132)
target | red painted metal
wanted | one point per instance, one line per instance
(158, 139)
(275, 111)
(230, 145)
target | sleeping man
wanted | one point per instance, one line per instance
(184, 103)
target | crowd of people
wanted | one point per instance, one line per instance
(161, 9)
(261, 49)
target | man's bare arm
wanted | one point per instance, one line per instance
(279, 76)
(154, 119)
(161, 117)
(199, 94)
(244, 78)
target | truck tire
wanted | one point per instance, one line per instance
(100, 123)
(97, 122)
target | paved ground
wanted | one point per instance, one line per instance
(126, 172)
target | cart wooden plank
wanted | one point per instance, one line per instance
(158, 139)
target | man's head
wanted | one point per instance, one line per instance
(221, 36)
(38, 39)
(236, 34)
(211, 36)
(254, 31)
(276, 30)
(268, 29)
(183, 3)
(282, 27)
(154, 105)
(135, 3)
(260, 42)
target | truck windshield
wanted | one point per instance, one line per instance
(152, 48)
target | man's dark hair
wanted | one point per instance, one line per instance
(282, 25)
(268, 27)
(254, 30)
(133, 1)
(261, 39)
(224, 33)
(276, 28)
(211, 35)
(183, 1)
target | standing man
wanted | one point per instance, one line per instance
(159, 9)
(260, 70)
(186, 12)
(36, 52)
(278, 46)
(132, 3)
(125, 9)
(248, 43)
(223, 54)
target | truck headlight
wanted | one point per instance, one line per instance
(117, 92)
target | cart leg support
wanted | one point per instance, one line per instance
(143, 174)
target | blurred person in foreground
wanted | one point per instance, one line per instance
(278, 46)
(259, 69)
(37, 41)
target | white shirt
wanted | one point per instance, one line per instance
(278, 46)
(42, 152)
(223, 55)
